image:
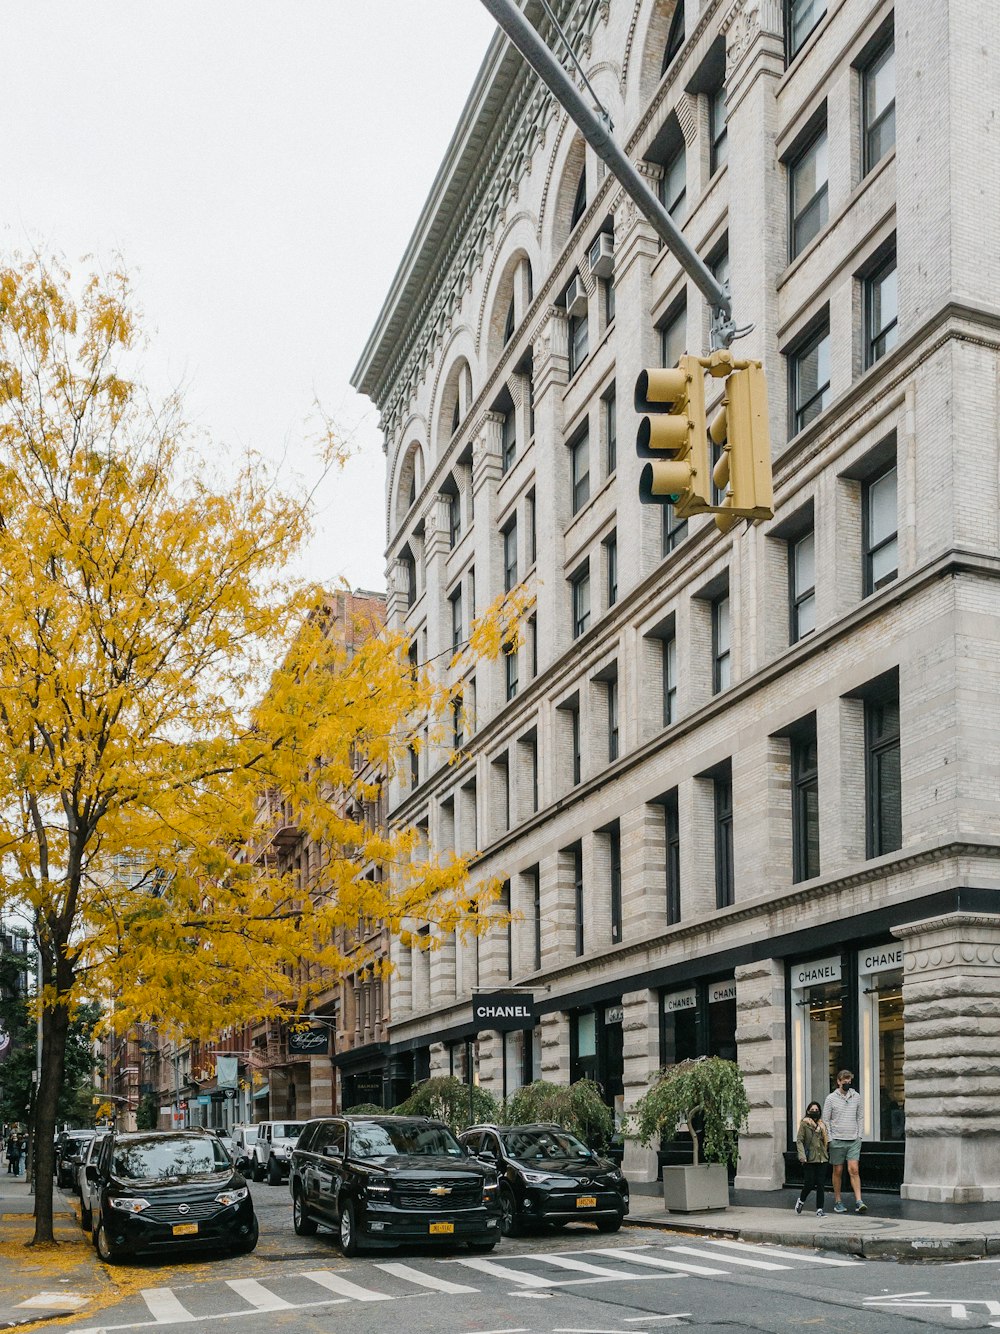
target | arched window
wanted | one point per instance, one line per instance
(675, 37)
(580, 199)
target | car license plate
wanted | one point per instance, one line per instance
(185, 1229)
(586, 1201)
(442, 1227)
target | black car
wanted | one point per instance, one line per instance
(383, 1180)
(71, 1149)
(168, 1190)
(548, 1176)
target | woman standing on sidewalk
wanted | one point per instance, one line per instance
(811, 1143)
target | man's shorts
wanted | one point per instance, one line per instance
(844, 1151)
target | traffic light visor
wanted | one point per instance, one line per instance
(661, 387)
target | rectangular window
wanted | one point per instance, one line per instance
(611, 559)
(669, 661)
(456, 619)
(802, 586)
(611, 686)
(879, 531)
(881, 311)
(809, 374)
(721, 673)
(457, 724)
(673, 185)
(725, 880)
(808, 202)
(579, 342)
(577, 854)
(454, 518)
(508, 439)
(532, 743)
(609, 301)
(510, 555)
(572, 710)
(510, 672)
(414, 767)
(672, 830)
(673, 531)
(615, 872)
(472, 595)
(610, 432)
(534, 880)
(531, 536)
(508, 930)
(502, 787)
(580, 584)
(805, 804)
(410, 576)
(878, 106)
(717, 127)
(801, 16)
(883, 786)
(673, 337)
(532, 633)
(579, 460)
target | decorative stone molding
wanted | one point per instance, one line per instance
(743, 25)
(686, 109)
(486, 448)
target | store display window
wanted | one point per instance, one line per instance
(880, 1004)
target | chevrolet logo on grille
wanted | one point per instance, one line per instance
(441, 1190)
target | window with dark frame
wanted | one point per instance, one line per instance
(531, 533)
(457, 724)
(675, 37)
(669, 669)
(611, 566)
(579, 199)
(580, 586)
(610, 432)
(673, 336)
(801, 585)
(532, 634)
(673, 529)
(808, 194)
(579, 342)
(881, 313)
(577, 854)
(718, 130)
(572, 711)
(579, 462)
(721, 647)
(614, 836)
(801, 17)
(510, 555)
(454, 518)
(879, 530)
(725, 879)
(508, 328)
(672, 833)
(532, 744)
(410, 576)
(878, 105)
(809, 378)
(608, 286)
(414, 767)
(805, 802)
(536, 911)
(673, 185)
(883, 781)
(508, 930)
(510, 670)
(611, 694)
(457, 629)
(508, 439)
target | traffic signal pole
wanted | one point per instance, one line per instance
(597, 132)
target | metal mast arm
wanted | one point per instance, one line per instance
(596, 133)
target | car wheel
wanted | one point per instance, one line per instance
(258, 1171)
(482, 1247)
(305, 1225)
(508, 1212)
(249, 1242)
(348, 1228)
(274, 1172)
(104, 1248)
(86, 1218)
(609, 1224)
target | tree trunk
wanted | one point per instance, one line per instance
(55, 1029)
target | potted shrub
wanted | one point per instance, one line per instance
(577, 1107)
(708, 1098)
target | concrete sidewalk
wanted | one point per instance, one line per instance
(874, 1235)
(37, 1286)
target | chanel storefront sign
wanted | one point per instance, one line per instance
(501, 1012)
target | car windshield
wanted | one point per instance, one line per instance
(538, 1145)
(249, 1135)
(287, 1129)
(379, 1139)
(172, 1156)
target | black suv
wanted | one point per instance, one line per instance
(383, 1180)
(71, 1149)
(548, 1176)
(165, 1190)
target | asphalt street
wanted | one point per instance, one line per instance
(573, 1281)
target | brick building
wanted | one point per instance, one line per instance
(743, 788)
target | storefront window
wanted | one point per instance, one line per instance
(722, 1020)
(817, 1030)
(880, 977)
(514, 1047)
(678, 1026)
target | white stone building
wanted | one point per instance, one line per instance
(743, 787)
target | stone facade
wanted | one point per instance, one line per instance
(509, 446)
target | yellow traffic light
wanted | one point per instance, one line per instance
(741, 428)
(676, 428)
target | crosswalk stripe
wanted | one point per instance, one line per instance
(510, 1275)
(684, 1266)
(423, 1280)
(344, 1287)
(772, 1252)
(732, 1259)
(581, 1266)
(259, 1297)
(165, 1307)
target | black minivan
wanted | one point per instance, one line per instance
(383, 1180)
(168, 1190)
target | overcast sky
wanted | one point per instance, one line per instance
(260, 167)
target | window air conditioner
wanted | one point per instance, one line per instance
(576, 297)
(602, 256)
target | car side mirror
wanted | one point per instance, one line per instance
(487, 1156)
(91, 1171)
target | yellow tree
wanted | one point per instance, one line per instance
(158, 668)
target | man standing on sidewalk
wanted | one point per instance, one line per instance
(843, 1115)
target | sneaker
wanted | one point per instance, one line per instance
(861, 1207)
(798, 1206)
(839, 1208)
(820, 1213)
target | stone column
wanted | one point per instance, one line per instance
(555, 1047)
(951, 1066)
(760, 1042)
(641, 1053)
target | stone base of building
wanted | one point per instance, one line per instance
(943, 1170)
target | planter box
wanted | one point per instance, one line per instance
(692, 1190)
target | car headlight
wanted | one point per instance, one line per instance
(545, 1179)
(128, 1204)
(378, 1188)
(616, 1176)
(490, 1189)
(232, 1196)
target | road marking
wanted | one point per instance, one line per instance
(956, 1305)
(344, 1287)
(425, 1280)
(510, 1275)
(67, 1301)
(772, 1252)
(685, 1266)
(165, 1307)
(648, 1319)
(732, 1259)
(582, 1267)
(259, 1297)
